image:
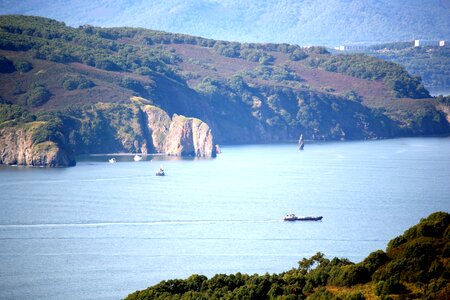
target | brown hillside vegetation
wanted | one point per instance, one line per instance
(247, 93)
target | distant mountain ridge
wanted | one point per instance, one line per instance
(304, 22)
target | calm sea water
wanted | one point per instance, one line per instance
(101, 231)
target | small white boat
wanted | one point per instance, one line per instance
(160, 172)
(112, 160)
(137, 158)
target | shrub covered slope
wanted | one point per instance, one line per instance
(82, 79)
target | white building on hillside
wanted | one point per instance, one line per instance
(351, 48)
(421, 43)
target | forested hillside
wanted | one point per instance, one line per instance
(305, 22)
(431, 63)
(75, 87)
(415, 265)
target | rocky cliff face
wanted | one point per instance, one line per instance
(179, 136)
(158, 124)
(105, 128)
(445, 110)
(189, 137)
(17, 148)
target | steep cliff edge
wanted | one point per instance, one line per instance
(55, 138)
(179, 136)
(158, 124)
(18, 147)
(189, 137)
(444, 106)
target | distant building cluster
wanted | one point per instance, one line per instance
(421, 43)
(417, 43)
(351, 48)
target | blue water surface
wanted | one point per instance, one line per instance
(102, 231)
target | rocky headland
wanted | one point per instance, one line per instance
(18, 146)
(123, 128)
(179, 136)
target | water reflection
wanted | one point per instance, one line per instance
(130, 158)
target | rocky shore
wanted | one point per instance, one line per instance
(154, 132)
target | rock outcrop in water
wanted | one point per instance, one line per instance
(17, 147)
(158, 124)
(189, 137)
(179, 136)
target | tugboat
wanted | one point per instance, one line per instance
(160, 172)
(293, 217)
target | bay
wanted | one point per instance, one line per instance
(101, 230)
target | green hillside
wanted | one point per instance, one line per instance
(432, 64)
(79, 81)
(415, 265)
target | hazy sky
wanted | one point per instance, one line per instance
(293, 21)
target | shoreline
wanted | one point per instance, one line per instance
(124, 154)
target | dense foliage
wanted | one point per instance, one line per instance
(87, 129)
(261, 52)
(52, 40)
(6, 66)
(119, 49)
(97, 129)
(431, 63)
(366, 67)
(443, 100)
(73, 82)
(23, 65)
(415, 266)
(37, 95)
(278, 73)
(104, 49)
(11, 115)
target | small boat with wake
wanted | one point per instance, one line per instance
(293, 217)
(137, 158)
(112, 160)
